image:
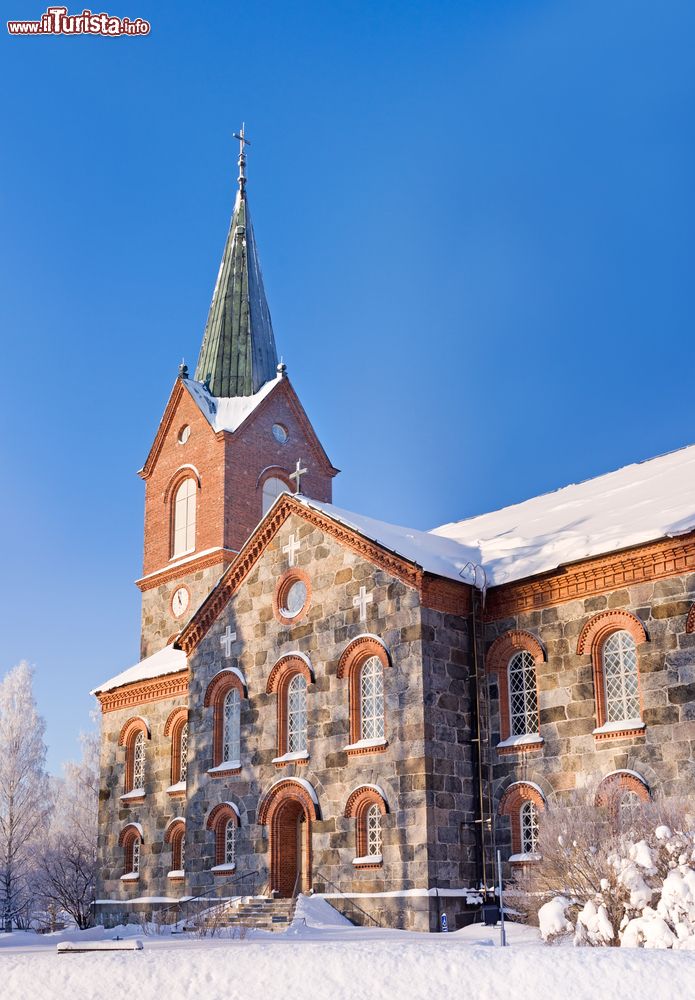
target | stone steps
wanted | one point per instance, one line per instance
(260, 913)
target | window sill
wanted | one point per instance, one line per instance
(297, 757)
(366, 746)
(176, 876)
(130, 877)
(525, 859)
(225, 768)
(620, 729)
(223, 869)
(181, 555)
(178, 790)
(369, 861)
(520, 744)
(136, 795)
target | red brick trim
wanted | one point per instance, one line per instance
(280, 676)
(144, 692)
(217, 690)
(126, 838)
(173, 829)
(173, 727)
(167, 574)
(132, 726)
(130, 830)
(356, 807)
(690, 623)
(183, 472)
(217, 821)
(445, 595)
(281, 591)
(611, 788)
(642, 564)
(274, 472)
(283, 844)
(497, 662)
(352, 659)
(591, 640)
(510, 805)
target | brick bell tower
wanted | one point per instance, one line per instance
(226, 446)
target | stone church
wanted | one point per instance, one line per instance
(334, 704)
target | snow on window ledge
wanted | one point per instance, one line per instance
(369, 859)
(181, 555)
(619, 726)
(524, 859)
(130, 877)
(178, 874)
(526, 739)
(225, 767)
(296, 755)
(222, 869)
(178, 789)
(136, 793)
(364, 746)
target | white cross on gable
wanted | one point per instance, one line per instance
(361, 602)
(291, 549)
(226, 640)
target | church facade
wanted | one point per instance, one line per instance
(339, 705)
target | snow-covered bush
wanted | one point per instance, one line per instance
(607, 881)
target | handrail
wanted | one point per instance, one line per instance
(186, 901)
(321, 877)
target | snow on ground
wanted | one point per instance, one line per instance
(322, 956)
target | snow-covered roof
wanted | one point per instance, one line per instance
(227, 413)
(639, 503)
(166, 661)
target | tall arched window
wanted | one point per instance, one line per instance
(224, 821)
(529, 827)
(367, 806)
(130, 839)
(230, 841)
(175, 835)
(523, 700)
(183, 752)
(620, 677)
(183, 539)
(373, 831)
(231, 736)
(139, 761)
(297, 715)
(133, 736)
(272, 488)
(372, 699)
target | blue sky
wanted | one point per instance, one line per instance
(476, 224)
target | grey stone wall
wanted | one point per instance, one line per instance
(571, 757)
(158, 622)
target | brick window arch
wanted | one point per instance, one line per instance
(367, 805)
(364, 663)
(224, 695)
(289, 680)
(131, 840)
(515, 657)
(690, 621)
(612, 638)
(175, 834)
(183, 512)
(176, 727)
(622, 791)
(224, 821)
(134, 736)
(272, 482)
(523, 802)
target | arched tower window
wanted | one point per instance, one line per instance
(272, 488)
(183, 533)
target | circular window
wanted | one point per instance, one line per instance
(292, 596)
(184, 434)
(280, 433)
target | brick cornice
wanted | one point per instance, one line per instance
(397, 566)
(155, 689)
(169, 573)
(654, 561)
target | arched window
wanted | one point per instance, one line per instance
(620, 677)
(363, 662)
(297, 715)
(289, 680)
(130, 839)
(372, 699)
(624, 793)
(183, 534)
(529, 827)
(231, 737)
(133, 737)
(523, 701)
(177, 728)
(183, 753)
(224, 821)
(175, 835)
(630, 809)
(224, 694)
(272, 488)
(367, 805)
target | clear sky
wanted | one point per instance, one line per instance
(476, 224)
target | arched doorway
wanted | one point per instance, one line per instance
(289, 809)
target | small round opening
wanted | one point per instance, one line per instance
(184, 434)
(293, 599)
(280, 433)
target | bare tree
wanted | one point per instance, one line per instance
(25, 797)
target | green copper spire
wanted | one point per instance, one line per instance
(238, 353)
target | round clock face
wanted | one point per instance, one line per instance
(180, 601)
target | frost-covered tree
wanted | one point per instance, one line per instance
(25, 798)
(67, 864)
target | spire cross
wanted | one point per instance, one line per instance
(243, 141)
(297, 475)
